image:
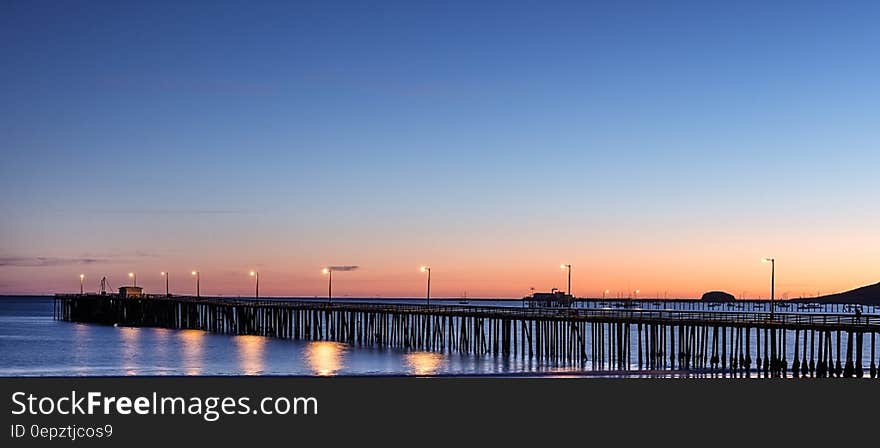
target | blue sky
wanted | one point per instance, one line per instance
(322, 132)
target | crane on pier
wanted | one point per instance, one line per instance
(105, 285)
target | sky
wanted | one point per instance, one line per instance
(665, 147)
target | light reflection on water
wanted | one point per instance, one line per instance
(158, 341)
(130, 349)
(325, 358)
(192, 346)
(424, 363)
(250, 354)
(81, 336)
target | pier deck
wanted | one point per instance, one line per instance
(786, 343)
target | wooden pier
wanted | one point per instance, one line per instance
(733, 342)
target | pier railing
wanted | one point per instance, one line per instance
(734, 318)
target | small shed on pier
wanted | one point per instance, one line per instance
(552, 299)
(131, 291)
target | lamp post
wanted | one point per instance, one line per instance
(772, 262)
(637, 293)
(257, 276)
(428, 270)
(165, 274)
(329, 272)
(567, 266)
(133, 276)
(81, 278)
(198, 276)
(604, 293)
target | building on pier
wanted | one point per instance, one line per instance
(553, 299)
(131, 291)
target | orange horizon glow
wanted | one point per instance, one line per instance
(671, 265)
(590, 278)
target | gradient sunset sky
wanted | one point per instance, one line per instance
(659, 146)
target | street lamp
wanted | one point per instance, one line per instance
(166, 275)
(329, 272)
(133, 276)
(637, 293)
(81, 278)
(198, 276)
(605, 293)
(567, 266)
(428, 270)
(257, 275)
(772, 262)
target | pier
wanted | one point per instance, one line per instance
(739, 343)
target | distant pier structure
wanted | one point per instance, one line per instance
(738, 343)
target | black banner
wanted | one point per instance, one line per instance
(366, 411)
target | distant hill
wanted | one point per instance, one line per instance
(717, 296)
(866, 295)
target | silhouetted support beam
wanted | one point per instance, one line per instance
(860, 372)
(795, 363)
(873, 354)
(838, 370)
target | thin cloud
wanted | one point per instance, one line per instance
(117, 255)
(343, 268)
(171, 212)
(40, 262)
(84, 259)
